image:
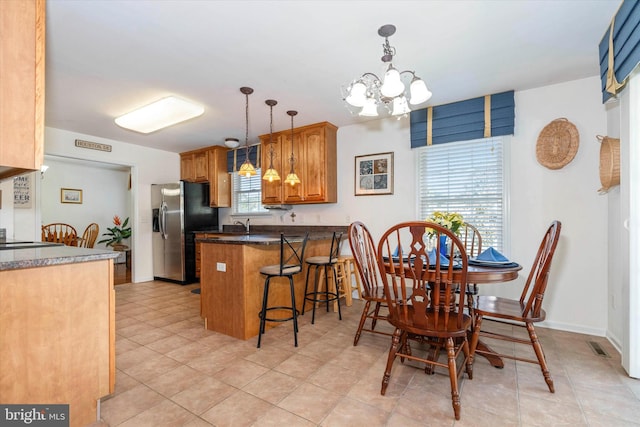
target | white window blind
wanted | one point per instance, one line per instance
(466, 177)
(247, 194)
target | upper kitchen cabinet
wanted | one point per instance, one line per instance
(219, 178)
(22, 67)
(314, 147)
(272, 191)
(208, 165)
(194, 166)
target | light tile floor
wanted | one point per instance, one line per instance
(173, 372)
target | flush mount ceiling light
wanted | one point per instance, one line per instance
(365, 94)
(247, 169)
(271, 174)
(231, 142)
(159, 115)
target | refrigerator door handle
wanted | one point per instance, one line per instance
(163, 220)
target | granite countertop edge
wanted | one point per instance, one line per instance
(268, 235)
(47, 256)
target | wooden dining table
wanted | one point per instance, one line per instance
(480, 274)
(477, 274)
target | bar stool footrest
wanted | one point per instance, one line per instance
(285, 319)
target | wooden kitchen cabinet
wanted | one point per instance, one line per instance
(316, 165)
(272, 191)
(219, 179)
(208, 165)
(22, 67)
(194, 166)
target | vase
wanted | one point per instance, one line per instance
(443, 245)
(119, 247)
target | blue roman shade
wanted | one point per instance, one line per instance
(491, 115)
(619, 49)
(237, 156)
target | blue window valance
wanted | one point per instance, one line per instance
(237, 156)
(619, 49)
(491, 115)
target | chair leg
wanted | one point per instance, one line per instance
(541, 359)
(306, 289)
(467, 358)
(395, 344)
(263, 311)
(294, 312)
(363, 318)
(453, 378)
(335, 280)
(475, 337)
(376, 314)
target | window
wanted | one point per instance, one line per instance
(247, 194)
(466, 177)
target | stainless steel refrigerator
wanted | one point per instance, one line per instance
(178, 210)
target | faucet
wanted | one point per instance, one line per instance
(245, 225)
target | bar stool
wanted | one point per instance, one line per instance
(323, 264)
(350, 269)
(291, 256)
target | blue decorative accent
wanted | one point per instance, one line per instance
(464, 120)
(443, 245)
(626, 44)
(240, 154)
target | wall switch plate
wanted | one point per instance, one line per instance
(221, 266)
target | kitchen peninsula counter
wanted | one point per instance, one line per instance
(231, 283)
(57, 328)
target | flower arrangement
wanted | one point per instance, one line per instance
(451, 221)
(116, 233)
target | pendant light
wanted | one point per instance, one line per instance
(271, 174)
(247, 169)
(292, 178)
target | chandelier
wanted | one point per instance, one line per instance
(368, 92)
(247, 169)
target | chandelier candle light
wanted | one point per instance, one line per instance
(369, 91)
(247, 169)
(271, 174)
(292, 178)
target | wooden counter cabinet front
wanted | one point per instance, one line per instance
(232, 286)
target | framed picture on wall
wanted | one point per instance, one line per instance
(70, 195)
(374, 174)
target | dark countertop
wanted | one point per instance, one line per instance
(268, 234)
(52, 255)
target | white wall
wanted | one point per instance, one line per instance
(148, 166)
(105, 193)
(576, 297)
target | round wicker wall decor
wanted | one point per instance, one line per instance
(609, 163)
(557, 144)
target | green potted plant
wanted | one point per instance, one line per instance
(117, 233)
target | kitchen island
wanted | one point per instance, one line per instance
(57, 328)
(231, 283)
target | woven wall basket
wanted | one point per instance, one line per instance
(557, 144)
(609, 163)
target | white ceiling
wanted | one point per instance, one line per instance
(106, 57)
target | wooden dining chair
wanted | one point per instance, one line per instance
(89, 236)
(420, 287)
(523, 312)
(364, 254)
(60, 233)
(472, 241)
